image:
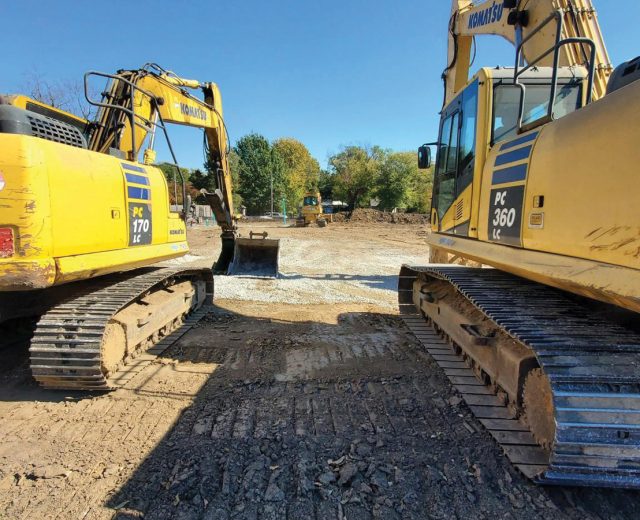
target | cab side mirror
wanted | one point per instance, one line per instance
(424, 157)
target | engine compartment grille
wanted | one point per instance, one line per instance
(50, 129)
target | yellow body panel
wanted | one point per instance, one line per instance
(72, 268)
(589, 178)
(78, 214)
(557, 204)
(311, 212)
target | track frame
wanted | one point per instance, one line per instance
(591, 364)
(67, 346)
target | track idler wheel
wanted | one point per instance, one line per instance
(539, 408)
(114, 348)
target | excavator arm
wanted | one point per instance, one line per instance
(522, 22)
(138, 103)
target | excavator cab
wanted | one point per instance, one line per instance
(472, 129)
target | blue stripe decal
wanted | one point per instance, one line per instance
(516, 155)
(138, 193)
(513, 174)
(137, 179)
(518, 142)
(133, 168)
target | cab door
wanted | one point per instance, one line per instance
(444, 186)
(455, 164)
(466, 160)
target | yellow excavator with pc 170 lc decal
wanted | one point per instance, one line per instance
(534, 273)
(83, 221)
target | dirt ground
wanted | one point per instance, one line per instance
(300, 397)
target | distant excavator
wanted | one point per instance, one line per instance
(536, 175)
(83, 223)
(311, 211)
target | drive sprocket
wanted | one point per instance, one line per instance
(539, 409)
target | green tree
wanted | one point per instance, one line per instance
(209, 181)
(300, 170)
(395, 182)
(234, 166)
(200, 180)
(258, 164)
(326, 181)
(420, 190)
(173, 181)
(356, 173)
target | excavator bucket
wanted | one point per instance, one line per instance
(255, 256)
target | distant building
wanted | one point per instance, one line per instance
(333, 206)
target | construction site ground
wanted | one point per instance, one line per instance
(298, 397)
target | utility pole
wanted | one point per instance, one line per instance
(271, 193)
(284, 209)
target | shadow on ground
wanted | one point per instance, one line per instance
(383, 282)
(313, 419)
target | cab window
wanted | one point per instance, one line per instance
(447, 164)
(310, 201)
(468, 137)
(506, 103)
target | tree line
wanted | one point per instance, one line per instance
(356, 175)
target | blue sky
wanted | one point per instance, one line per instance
(329, 73)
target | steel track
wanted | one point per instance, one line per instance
(593, 366)
(66, 346)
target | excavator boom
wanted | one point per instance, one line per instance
(138, 104)
(519, 25)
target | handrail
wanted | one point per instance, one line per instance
(558, 16)
(145, 123)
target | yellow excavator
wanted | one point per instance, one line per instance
(311, 211)
(534, 274)
(83, 221)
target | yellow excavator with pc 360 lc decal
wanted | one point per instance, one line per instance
(534, 273)
(83, 221)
